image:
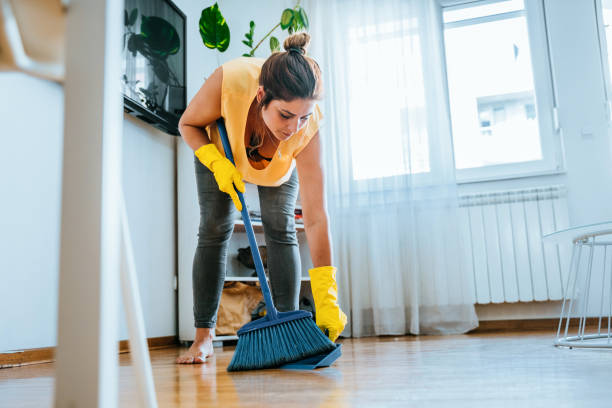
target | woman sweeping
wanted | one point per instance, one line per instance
(272, 121)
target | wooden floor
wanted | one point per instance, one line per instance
(477, 370)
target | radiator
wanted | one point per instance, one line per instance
(507, 259)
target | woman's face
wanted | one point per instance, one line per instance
(286, 118)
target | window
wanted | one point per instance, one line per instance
(392, 95)
(500, 91)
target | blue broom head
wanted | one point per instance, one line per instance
(268, 343)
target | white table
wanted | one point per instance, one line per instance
(586, 311)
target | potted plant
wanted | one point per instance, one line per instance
(215, 32)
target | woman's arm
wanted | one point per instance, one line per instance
(310, 172)
(204, 109)
(330, 319)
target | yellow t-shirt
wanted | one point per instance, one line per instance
(240, 83)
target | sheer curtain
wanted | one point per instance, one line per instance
(390, 176)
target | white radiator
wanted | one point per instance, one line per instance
(503, 244)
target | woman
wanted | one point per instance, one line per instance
(272, 122)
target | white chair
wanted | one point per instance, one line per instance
(32, 41)
(586, 311)
(32, 37)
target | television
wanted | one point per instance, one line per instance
(153, 79)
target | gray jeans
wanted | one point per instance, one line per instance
(216, 226)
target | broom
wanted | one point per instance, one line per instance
(279, 337)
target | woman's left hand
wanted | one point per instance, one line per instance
(330, 319)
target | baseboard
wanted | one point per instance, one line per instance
(25, 357)
(153, 342)
(47, 354)
(551, 325)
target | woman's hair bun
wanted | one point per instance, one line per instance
(298, 41)
(292, 74)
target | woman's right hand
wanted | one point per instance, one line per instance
(226, 174)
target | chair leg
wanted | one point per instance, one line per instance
(565, 292)
(578, 293)
(135, 321)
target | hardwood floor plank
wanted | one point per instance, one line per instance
(475, 370)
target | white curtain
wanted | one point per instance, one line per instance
(391, 188)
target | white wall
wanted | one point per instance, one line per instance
(31, 113)
(149, 187)
(586, 134)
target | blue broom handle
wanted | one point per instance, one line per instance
(270, 308)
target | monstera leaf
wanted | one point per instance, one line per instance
(213, 29)
(160, 37)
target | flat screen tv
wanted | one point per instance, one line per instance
(153, 80)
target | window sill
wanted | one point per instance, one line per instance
(475, 180)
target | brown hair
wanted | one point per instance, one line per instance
(290, 74)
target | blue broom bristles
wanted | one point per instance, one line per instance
(279, 344)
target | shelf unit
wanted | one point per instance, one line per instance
(258, 226)
(254, 278)
(218, 340)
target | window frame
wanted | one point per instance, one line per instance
(552, 161)
(604, 57)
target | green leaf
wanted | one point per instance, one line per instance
(133, 16)
(296, 24)
(160, 37)
(214, 30)
(303, 18)
(249, 35)
(125, 18)
(246, 55)
(274, 44)
(286, 18)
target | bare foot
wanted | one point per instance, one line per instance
(200, 350)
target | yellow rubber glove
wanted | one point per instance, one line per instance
(325, 294)
(226, 174)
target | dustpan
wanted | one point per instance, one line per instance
(314, 362)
